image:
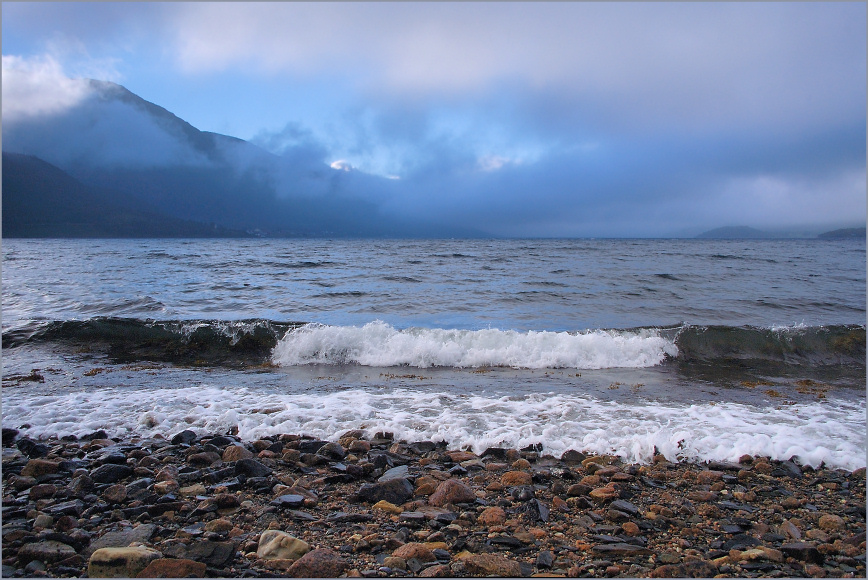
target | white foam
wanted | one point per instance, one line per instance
(379, 344)
(830, 431)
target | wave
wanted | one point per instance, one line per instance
(259, 341)
(381, 345)
(201, 342)
(813, 432)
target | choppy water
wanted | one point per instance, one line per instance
(704, 349)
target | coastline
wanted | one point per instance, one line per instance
(294, 506)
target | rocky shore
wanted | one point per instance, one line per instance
(292, 506)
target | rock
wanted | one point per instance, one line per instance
(414, 550)
(803, 551)
(459, 456)
(394, 491)
(395, 563)
(48, 551)
(37, 467)
(185, 437)
(604, 493)
(288, 501)
(451, 491)
(514, 478)
(830, 522)
(121, 538)
(395, 473)
(387, 507)
(492, 565)
(275, 544)
(578, 490)
(708, 477)
(545, 559)
(438, 571)
(42, 491)
(624, 506)
(214, 554)
(204, 459)
(218, 525)
(787, 528)
(115, 493)
(110, 473)
(251, 468)
(9, 436)
(620, 549)
(688, 569)
(120, 562)
(492, 516)
(173, 568)
(43, 521)
(320, 563)
(359, 446)
(334, 451)
(573, 456)
(535, 510)
(236, 452)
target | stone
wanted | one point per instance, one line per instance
(395, 563)
(398, 472)
(545, 559)
(688, 569)
(120, 562)
(43, 521)
(514, 478)
(334, 451)
(173, 568)
(204, 459)
(787, 528)
(164, 487)
(37, 467)
(492, 516)
(578, 490)
(451, 491)
(415, 550)
(121, 538)
(708, 477)
(110, 473)
(48, 551)
(573, 456)
(214, 554)
(394, 491)
(251, 468)
(492, 565)
(387, 507)
(438, 571)
(218, 525)
(236, 452)
(289, 500)
(803, 551)
(116, 493)
(359, 446)
(320, 563)
(604, 493)
(459, 456)
(830, 522)
(624, 506)
(275, 544)
(185, 437)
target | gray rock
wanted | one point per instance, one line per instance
(110, 473)
(47, 551)
(122, 538)
(395, 473)
(185, 437)
(624, 506)
(251, 468)
(288, 501)
(395, 491)
(804, 552)
(214, 554)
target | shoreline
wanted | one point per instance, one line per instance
(293, 506)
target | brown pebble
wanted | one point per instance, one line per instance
(514, 478)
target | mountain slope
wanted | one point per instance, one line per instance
(40, 200)
(154, 162)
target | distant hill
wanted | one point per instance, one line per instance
(40, 200)
(735, 233)
(846, 233)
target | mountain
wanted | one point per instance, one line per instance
(735, 233)
(845, 233)
(129, 155)
(40, 200)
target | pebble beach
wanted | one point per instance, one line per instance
(368, 505)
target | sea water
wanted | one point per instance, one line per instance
(697, 349)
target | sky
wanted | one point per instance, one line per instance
(538, 119)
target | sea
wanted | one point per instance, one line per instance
(699, 350)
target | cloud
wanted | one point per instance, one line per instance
(38, 87)
(652, 64)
